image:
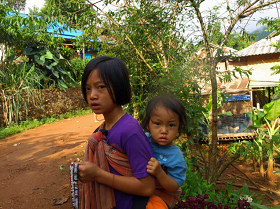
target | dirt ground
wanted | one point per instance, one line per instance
(34, 169)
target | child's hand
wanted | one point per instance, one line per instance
(88, 172)
(154, 167)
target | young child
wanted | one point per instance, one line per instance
(165, 119)
(117, 154)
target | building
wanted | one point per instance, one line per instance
(258, 58)
(245, 93)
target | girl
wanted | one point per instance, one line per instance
(117, 154)
(165, 119)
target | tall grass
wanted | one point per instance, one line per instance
(17, 78)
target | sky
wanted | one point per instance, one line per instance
(32, 3)
(251, 26)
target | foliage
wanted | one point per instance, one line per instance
(16, 79)
(271, 23)
(208, 109)
(236, 12)
(196, 190)
(67, 8)
(266, 124)
(200, 202)
(232, 197)
(75, 15)
(34, 59)
(261, 32)
(156, 41)
(236, 40)
(30, 124)
(18, 5)
(77, 66)
(195, 184)
(27, 40)
(241, 40)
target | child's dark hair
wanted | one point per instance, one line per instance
(115, 76)
(170, 102)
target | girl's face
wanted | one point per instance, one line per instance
(163, 125)
(98, 96)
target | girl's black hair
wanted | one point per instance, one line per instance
(114, 75)
(170, 102)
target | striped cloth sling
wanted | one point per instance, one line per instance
(169, 198)
(100, 196)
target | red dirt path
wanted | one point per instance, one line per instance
(34, 169)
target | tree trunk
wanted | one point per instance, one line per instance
(223, 163)
(213, 124)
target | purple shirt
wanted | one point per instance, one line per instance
(128, 136)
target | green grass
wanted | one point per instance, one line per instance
(29, 124)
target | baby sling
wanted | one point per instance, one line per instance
(99, 196)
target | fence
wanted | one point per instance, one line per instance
(46, 103)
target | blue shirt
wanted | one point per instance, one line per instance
(171, 159)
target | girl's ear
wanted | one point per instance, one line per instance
(148, 128)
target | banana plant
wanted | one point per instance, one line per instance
(260, 148)
(265, 122)
(274, 139)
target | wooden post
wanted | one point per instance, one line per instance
(263, 98)
(258, 100)
(269, 96)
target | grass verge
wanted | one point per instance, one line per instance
(29, 124)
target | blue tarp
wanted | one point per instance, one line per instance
(239, 98)
(67, 34)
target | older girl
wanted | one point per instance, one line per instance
(116, 156)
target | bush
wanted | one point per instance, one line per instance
(200, 202)
(196, 191)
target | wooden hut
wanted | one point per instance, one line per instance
(245, 93)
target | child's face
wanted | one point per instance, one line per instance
(98, 96)
(163, 125)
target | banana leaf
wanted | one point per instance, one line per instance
(272, 110)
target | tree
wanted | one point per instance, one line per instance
(158, 39)
(33, 60)
(66, 9)
(18, 5)
(145, 35)
(236, 12)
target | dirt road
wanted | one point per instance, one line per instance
(34, 169)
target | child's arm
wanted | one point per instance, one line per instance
(168, 183)
(142, 187)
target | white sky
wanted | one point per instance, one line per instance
(251, 24)
(250, 27)
(32, 3)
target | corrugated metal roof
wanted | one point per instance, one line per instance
(261, 47)
(227, 51)
(236, 86)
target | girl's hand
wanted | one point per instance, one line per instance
(168, 183)
(88, 172)
(154, 167)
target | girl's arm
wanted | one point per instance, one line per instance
(168, 183)
(128, 184)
